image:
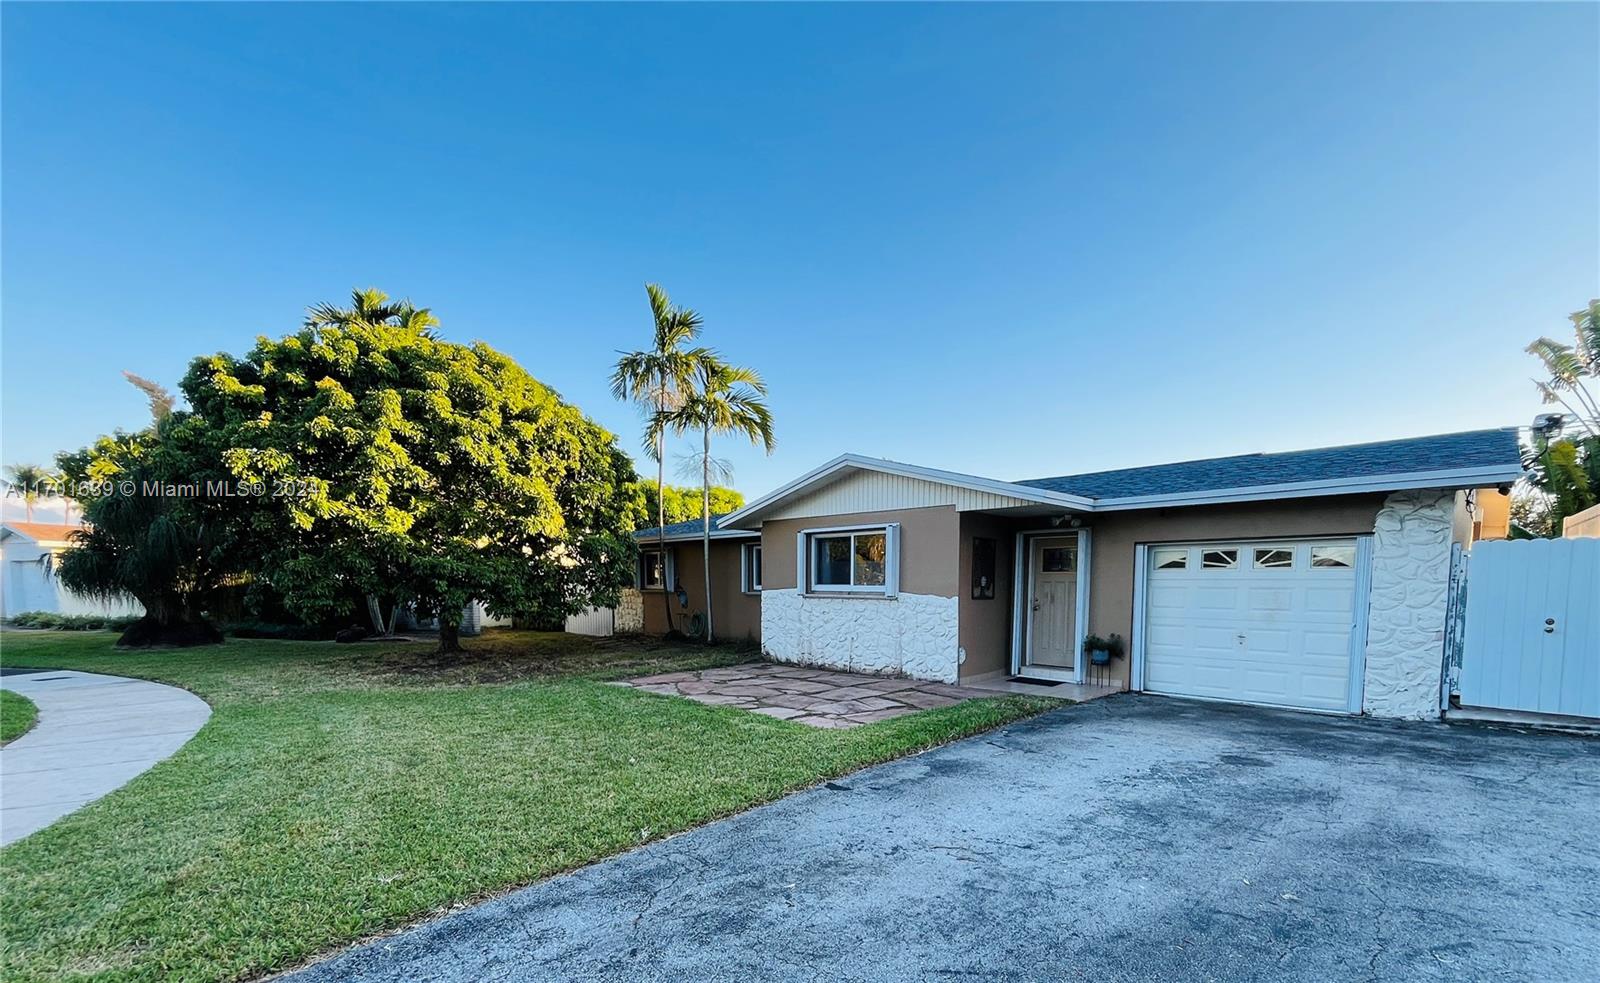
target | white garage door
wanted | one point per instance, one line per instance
(1253, 622)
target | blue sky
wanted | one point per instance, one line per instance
(1014, 241)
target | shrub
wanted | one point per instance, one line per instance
(71, 622)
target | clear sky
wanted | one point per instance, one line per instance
(1015, 241)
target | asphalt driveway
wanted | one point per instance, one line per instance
(1127, 839)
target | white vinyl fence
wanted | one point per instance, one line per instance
(592, 621)
(1532, 627)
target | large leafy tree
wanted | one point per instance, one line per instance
(679, 503)
(1563, 460)
(398, 464)
(725, 400)
(150, 530)
(658, 379)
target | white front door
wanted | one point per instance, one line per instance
(1053, 600)
(1252, 622)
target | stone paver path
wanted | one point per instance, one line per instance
(95, 733)
(819, 697)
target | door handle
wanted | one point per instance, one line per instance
(1036, 604)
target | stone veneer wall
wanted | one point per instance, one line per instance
(630, 612)
(1410, 586)
(911, 634)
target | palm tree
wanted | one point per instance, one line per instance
(1563, 461)
(31, 479)
(725, 399)
(373, 306)
(658, 378)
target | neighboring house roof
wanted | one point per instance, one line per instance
(693, 529)
(43, 533)
(1475, 459)
(1481, 456)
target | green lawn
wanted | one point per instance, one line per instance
(340, 790)
(17, 714)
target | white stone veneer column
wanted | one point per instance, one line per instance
(913, 634)
(630, 612)
(1410, 588)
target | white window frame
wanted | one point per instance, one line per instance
(749, 571)
(891, 562)
(669, 570)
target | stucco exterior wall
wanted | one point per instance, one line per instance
(928, 539)
(913, 633)
(1410, 587)
(985, 625)
(1114, 535)
(736, 615)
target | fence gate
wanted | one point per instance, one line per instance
(1532, 631)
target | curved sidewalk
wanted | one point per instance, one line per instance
(95, 733)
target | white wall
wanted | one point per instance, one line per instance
(910, 634)
(26, 584)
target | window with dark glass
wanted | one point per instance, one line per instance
(849, 561)
(652, 570)
(983, 553)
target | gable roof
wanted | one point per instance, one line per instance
(1479, 457)
(1473, 459)
(42, 532)
(846, 464)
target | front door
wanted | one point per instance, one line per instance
(1053, 619)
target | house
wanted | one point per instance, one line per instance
(1313, 579)
(1582, 525)
(29, 552)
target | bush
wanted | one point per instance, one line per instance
(71, 622)
(278, 631)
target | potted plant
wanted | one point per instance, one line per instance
(1102, 650)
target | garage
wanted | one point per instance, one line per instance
(1271, 623)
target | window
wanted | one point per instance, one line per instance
(1169, 557)
(1219, 559)
(1325, 557)
(983, 551)
(1059, 559)
(652, 573)
(751, 561)
(855, 560)
(1274, 558)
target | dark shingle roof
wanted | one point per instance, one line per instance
(1446, 452)
(680, 528)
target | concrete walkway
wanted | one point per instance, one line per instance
(95, 733)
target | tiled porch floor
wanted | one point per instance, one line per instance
(819, 697)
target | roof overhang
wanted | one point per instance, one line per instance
(1450, 479)
(749, 517)
(7, 535)
(846, 464)
(648, 536)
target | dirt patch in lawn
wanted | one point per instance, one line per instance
(496, 657)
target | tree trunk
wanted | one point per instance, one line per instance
(375, 614)
(449, 636)
(661, 520)
(705, 522)
(394, 617)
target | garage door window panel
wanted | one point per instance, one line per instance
(1333, 557)
(1274, 558)
(1227, 559)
